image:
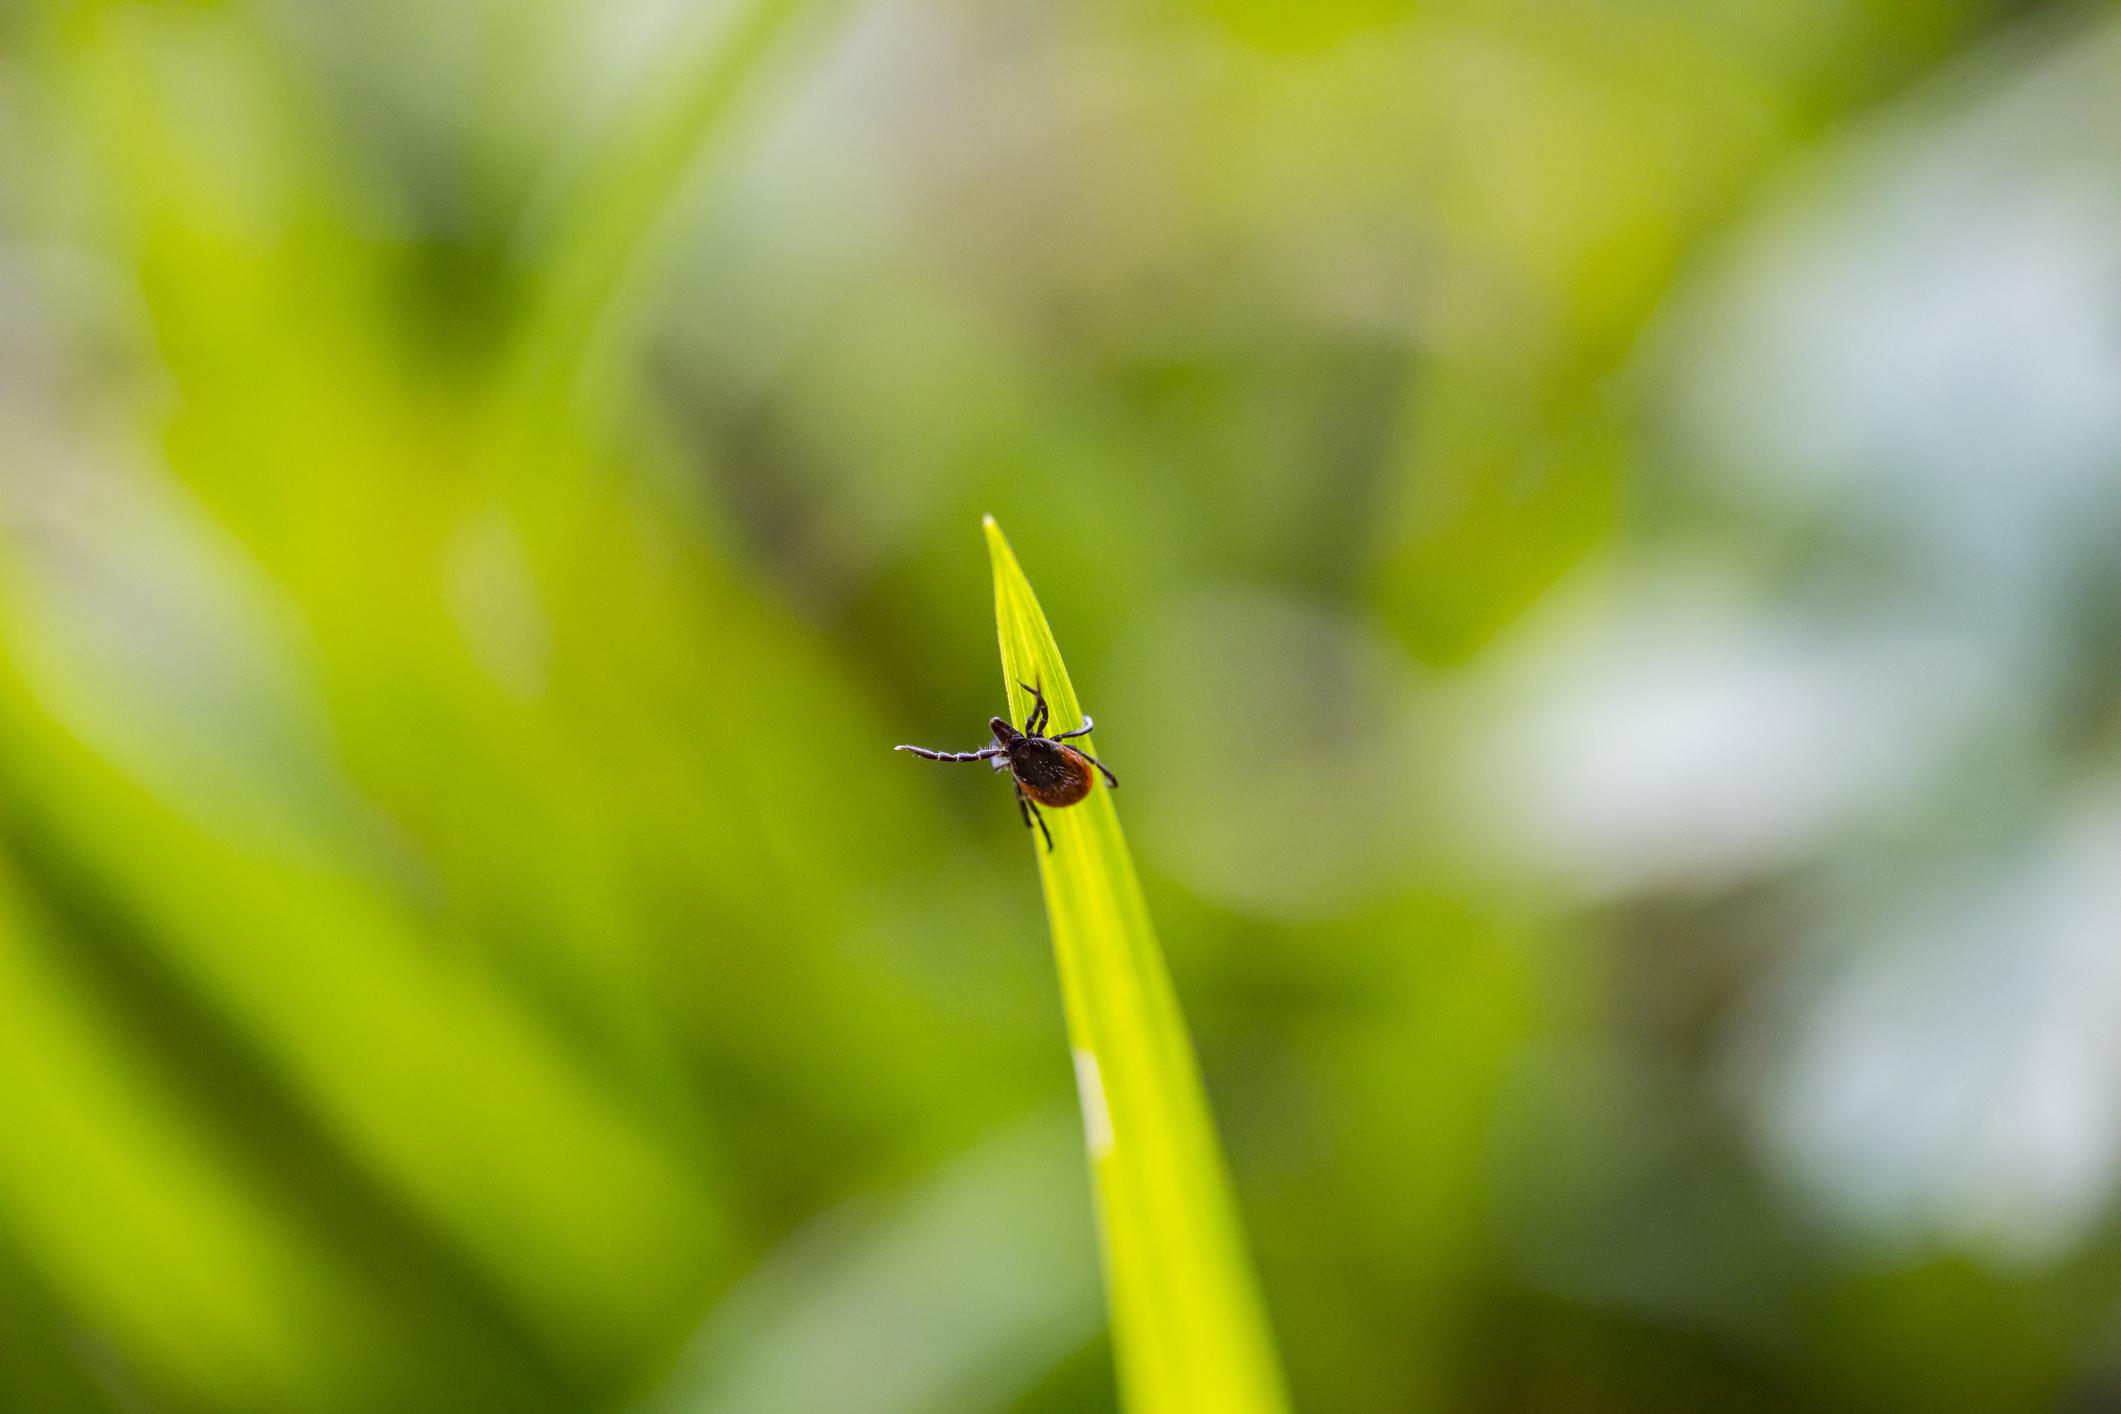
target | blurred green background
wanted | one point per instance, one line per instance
(1590, 530)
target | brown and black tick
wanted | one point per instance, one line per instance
(1046, 769)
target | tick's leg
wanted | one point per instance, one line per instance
(1036, 722)
(1030, 813)
(1110, 779)
(926, 755)
(1083, 730)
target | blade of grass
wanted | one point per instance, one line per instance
(1187, 1323)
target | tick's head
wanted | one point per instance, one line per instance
(1003, 732)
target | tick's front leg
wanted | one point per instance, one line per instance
(1036, 722)
(926, 755)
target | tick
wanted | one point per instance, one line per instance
(1046, 770)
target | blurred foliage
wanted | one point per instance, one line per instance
(1588, 528)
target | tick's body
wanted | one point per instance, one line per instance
(1047, 770)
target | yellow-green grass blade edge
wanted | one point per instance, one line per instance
(1189, 1331)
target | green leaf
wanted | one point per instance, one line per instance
(1187, 1323)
